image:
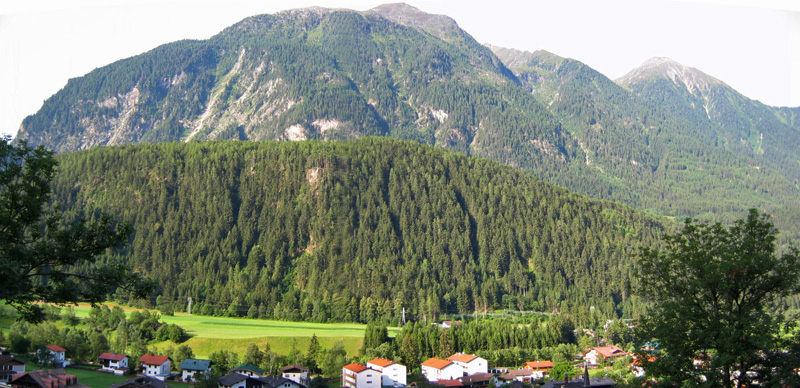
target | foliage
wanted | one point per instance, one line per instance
(253, 355)
(223, 360)
(179, 354)
(335, 358)
(39, 252)
(356, 231)
(716, 293)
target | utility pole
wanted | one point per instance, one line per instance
(189, 308)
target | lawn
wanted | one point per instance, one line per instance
(213, 333)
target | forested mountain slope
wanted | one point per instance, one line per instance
(355, 230)
(671, 139)
(311, 74)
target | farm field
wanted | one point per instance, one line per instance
(215, 333)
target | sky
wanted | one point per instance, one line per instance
(752, 45)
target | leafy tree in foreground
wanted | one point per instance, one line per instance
(39, 252)
(715, 295)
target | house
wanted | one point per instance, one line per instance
(141, 382)
(237, 380)
(539, 368)
(454, 383)
(359, 376)
(539, 365)
(114, 363)
(156, 366)
(59, 355)
(248, 370)
(277, 382)
(470, 363)
(523, 375)
(477, 380)
(581, 381)
(55, 378)
(636, 366)
(10, 366)
(296, 373)
(393, 374)
(449, 324)
(593, 356)
(436, 369)
(191, 367)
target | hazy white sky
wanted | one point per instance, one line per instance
(755, 49)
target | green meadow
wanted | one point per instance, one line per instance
(220, 333)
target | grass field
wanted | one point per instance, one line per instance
(214, 333)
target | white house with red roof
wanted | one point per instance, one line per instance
(155, 366)
(539, 368)
(359, 376)
(59, 355)
(393, 374)
(436, 369)
(594, 355)
(115, 363)
(470, 363)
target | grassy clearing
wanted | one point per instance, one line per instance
(214, 333)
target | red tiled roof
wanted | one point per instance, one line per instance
(153, 360)
(437, 363)
(462, 357)
(355, 367)
(450, 383)
(112, 356)
(381, 362)
(609, 351)
(536, 365)
(56, 348)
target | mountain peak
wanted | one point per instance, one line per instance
(666, 68)
(402, 13)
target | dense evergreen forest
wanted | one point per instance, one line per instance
(355, 230)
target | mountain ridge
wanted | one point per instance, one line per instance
(338, 74)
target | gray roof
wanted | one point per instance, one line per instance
(141, 382)
(195, 364)
(231, 379)
(594, 382)
(274, 381)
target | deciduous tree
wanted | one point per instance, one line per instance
(40, 251)
(715, 294)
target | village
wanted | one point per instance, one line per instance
(456, 371)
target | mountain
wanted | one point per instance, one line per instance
(670, 138)
(310, 74)
(665, 138)
(355, 230)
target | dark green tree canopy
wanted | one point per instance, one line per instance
(39, 252)
(715, 294)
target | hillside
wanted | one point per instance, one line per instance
(671, 139)
(311, 74)
(665, 138)
(355, 230)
